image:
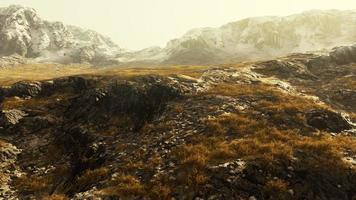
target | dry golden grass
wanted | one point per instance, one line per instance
(283, 109)
(16, 103)
(257, 141)
(194, 156)
(269, 95)
(126, 186)
(34, 185)
(234, 124)
(277, 189)
(193, 162)
(193, 71)
(262, 142)
(272, 151)
(352, 116)
(4, 178)
(56, 197)
(160, 191)
(242, 90)
(40, 186)
(38, 72)
(178, 108)
(2, 143)
(90, 177)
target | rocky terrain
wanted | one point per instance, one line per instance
(277, 129)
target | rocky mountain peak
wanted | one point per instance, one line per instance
(24, 32)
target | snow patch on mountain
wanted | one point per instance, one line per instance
(23, 32)
(261, 38)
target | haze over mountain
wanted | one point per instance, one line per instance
(23, 32)
(258, 38)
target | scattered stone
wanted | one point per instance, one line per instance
(11, 117)
(252, 198)
(291, 192)
(8, 156)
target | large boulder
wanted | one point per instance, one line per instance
(339, 55)
(326, 120)
(344, 55)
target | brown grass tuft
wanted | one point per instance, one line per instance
(125, 186)
(56, 197)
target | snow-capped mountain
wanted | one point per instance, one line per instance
(23, 32)
(263, 37)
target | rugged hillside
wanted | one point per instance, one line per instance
(23, 32)
(262, 37)
(279, 129)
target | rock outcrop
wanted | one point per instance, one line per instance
(339, 55)
(11, 117)
(25, 89)
(327, 121)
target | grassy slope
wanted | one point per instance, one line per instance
(37, 72)
(291, 157)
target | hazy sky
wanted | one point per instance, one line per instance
(136, 24)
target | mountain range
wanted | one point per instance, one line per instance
(23, 32)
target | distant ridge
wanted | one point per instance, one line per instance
(258, 38)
